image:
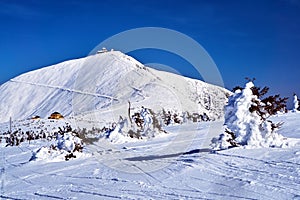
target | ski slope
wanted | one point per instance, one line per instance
(151, 170)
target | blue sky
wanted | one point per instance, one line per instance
(258, 38)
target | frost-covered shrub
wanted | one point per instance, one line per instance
(117, 132)
(17, 137)
(195, 117)
(67, 145)
(246, 120)
(143, 123)
(69, 142)
(30, 131)
(296, 103)
(171, 117)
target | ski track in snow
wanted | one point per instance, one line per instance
(191, 174)
(65, 89)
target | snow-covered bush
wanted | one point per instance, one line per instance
(69, 142)
(143, 123)
(296, 103)
(196, 117)
(67, 145)
(171, 117)
(246, 120)
(118, 132)
(28, 131)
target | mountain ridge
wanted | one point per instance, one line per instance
(102, 81)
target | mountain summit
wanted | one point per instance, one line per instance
(105, 82)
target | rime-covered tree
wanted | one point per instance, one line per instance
(246, 119)
(296, 103)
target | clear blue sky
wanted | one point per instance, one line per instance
(255, 38)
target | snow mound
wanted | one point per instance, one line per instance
(65, 147)
(246, 128)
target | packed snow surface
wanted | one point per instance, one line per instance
(150, 169)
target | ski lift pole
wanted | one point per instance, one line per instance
(10, 124)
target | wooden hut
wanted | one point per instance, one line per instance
(35, 117)
(56, 115)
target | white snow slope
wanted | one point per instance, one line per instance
(124, 171)
(105, 82)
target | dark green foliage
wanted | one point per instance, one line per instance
(156, 124)
(17, 137)
(267, 106)
(134, 134)
(69, 156)
(85, 139)
(231, 140)
(259, 92)
(138, 120)
(237, 88)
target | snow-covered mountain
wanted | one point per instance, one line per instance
(104, 83)
(44, 159)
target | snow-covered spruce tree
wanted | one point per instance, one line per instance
(143, 123)
(296, 103)
(246, 120)
(171, 117)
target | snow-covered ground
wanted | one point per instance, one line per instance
(177, 165)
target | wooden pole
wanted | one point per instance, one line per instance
(10, 123)
(129, 115)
